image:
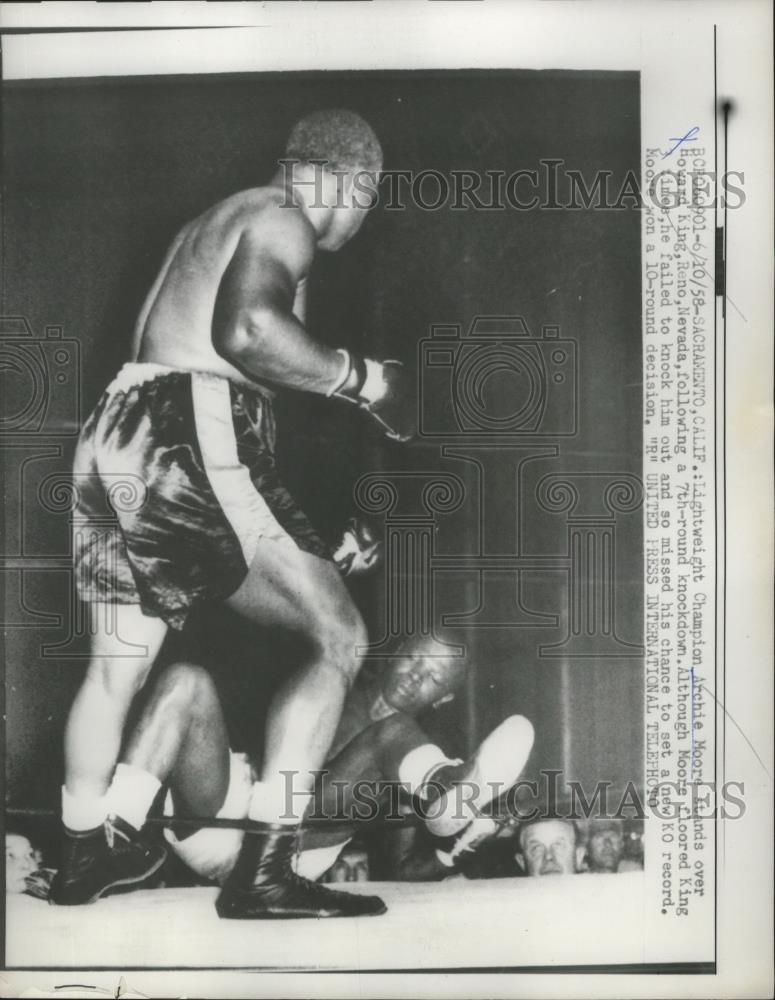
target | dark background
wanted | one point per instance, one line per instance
(98, 175)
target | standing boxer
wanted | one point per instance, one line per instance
(191, 421)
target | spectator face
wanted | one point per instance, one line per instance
(417, 681)
(549, 848)
(605, 847)
(19, 862)
(351, 866)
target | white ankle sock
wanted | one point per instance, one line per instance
(278, 801)
(131, 794)
(83, 812)
(415, 769)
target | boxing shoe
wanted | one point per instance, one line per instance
(95, 861)
(263, 886)
(457, 793)
(452, 850)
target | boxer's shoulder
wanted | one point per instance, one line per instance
(260, 213)
(271, 222)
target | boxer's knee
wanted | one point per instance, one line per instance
(341, 635)
(188, 687)
(119, 679)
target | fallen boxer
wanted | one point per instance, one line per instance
(181, 739)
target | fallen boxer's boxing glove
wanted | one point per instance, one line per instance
(384, 389)
(360, 550)
(38, 884)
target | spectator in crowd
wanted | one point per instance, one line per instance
(24, 870)
(352, 865)
(21, 860)
(606, 848)
(550, 846)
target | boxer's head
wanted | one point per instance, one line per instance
(418, 679)
(605, 845)
(20, 861)
(335, 156)
(549, 847)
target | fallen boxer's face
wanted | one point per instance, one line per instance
(417, 682)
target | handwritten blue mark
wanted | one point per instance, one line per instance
(693, 132)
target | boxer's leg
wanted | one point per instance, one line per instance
(362, 781)
(124, 643)
(454, 793)
(377, 755)
(181, 737)
(120, 658)
(292, 589)
(99, 855)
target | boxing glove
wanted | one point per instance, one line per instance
(360, 550)
(384, 389)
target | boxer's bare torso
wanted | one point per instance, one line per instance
(176, 323)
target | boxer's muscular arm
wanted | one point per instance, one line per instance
(254, 327)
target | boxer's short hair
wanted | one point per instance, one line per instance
(341, 138)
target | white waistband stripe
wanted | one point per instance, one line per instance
(244, 507)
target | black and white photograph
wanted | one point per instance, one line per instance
(370, 579)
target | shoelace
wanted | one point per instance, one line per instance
(473, 835)
(112, 831)
(314, 889)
